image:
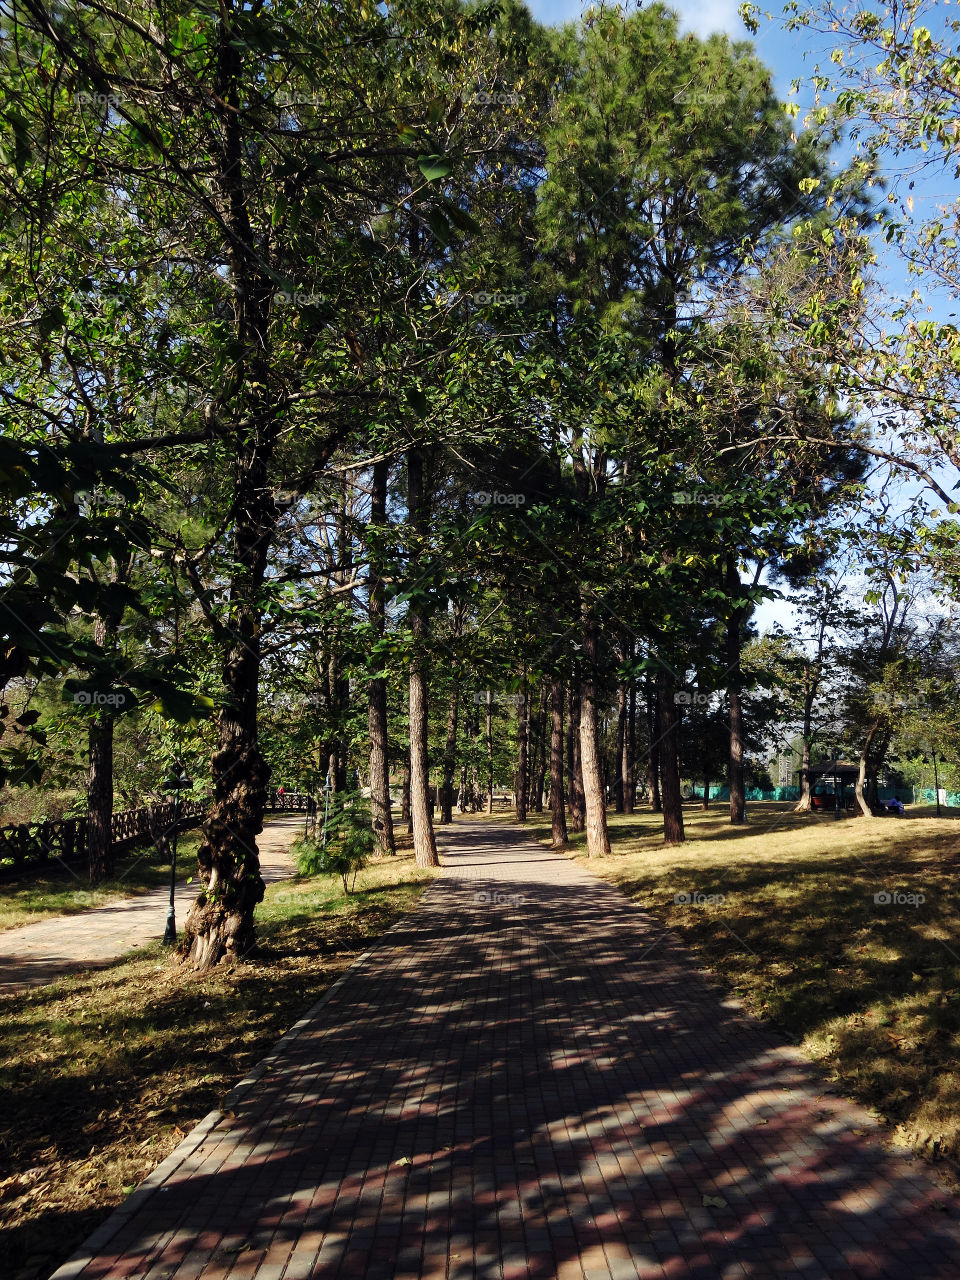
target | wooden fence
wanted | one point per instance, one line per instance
(289, 802)
(29, 845)
(36, 844)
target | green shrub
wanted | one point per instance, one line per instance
(346, 843)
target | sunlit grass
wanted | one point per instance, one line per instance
(871, 989)
(103, 1073)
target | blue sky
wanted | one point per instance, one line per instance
(781, 51)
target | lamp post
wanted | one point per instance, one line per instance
(177, 780)
(936, 779)
(327, 788)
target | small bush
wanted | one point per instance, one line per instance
(346, 843)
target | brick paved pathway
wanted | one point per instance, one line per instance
(528, 1078)
(40, 952)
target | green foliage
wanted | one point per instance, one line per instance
(347, 841)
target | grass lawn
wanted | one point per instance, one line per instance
(869, 989)
(103, 1073)
(62, 891)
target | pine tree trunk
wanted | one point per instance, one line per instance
(576, 800)
(738, 797)
(523, 746)
(668, 733)
(339, 681)
(558, 817)
(533, 754)
(489, 730)
(598, 840)
(618, 793)
(653, 755)
(450, 754)
(628, 781)
(543, 752)
(424, 840)
(381, 815)
(405, 795)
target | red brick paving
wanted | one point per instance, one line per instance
(529, 1079)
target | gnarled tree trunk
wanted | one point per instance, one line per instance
(220, 923)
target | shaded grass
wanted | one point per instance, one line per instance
(870, 990)
(103, 1073)
(64, 891)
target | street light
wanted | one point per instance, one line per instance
(177, 780)
(327, 788)
(936, 775)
